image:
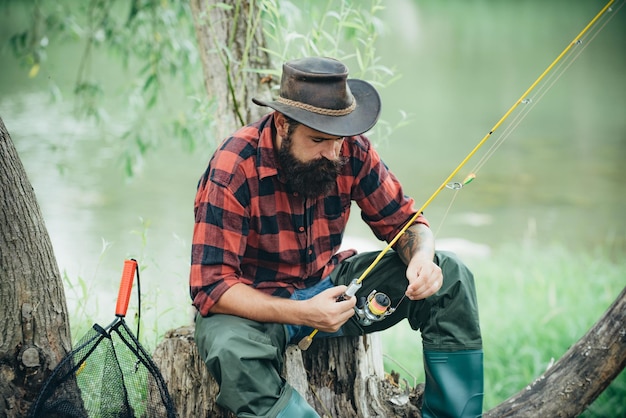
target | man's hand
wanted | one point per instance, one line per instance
(322, 311)
(425, 278)
(326, 313)
(417, 249)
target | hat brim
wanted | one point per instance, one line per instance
(360, 120)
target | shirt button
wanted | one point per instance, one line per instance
(301, 229)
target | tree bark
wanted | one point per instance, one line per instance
(34, 330)
(230, 41)
(191, 387)
(347, 379)
(578, 378)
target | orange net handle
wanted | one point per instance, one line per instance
(126, 285)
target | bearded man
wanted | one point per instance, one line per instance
(270, 214)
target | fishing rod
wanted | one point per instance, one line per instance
(375, 307)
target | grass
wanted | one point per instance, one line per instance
(534, 304)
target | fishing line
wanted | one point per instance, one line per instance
(529, 103)
(356, 284)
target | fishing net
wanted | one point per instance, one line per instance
(107, 375)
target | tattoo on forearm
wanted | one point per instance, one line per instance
(418, 238)
(408, 244)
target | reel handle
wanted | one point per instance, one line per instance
(354, 286)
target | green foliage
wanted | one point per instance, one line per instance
(535, 302)
(153, 38)
(153, 90)
(149, 318)
(79, 296)
(346, 30)
(149, 51)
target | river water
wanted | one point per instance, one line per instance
(557, 177)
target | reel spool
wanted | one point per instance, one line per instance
(375, 307)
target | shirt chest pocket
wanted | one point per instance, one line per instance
(336, 211)
(336, 207)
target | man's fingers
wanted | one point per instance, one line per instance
(336, 291)
(423, 289)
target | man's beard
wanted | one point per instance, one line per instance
(312, 179)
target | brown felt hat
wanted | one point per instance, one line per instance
(316, 92)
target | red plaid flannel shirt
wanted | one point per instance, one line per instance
(249, 228)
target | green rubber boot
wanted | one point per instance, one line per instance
(297, 407)
(454, 384)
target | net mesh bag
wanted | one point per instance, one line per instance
(107, 375)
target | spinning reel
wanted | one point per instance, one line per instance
(373, 308)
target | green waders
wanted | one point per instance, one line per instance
(448, 320)
(245, 357)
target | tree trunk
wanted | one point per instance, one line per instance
(576, 380)
(34, 331)
(230, 41)
(347, 379)
(341, 377)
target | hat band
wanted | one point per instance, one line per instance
(318, 110)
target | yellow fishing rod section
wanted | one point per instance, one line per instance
(356, 283)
